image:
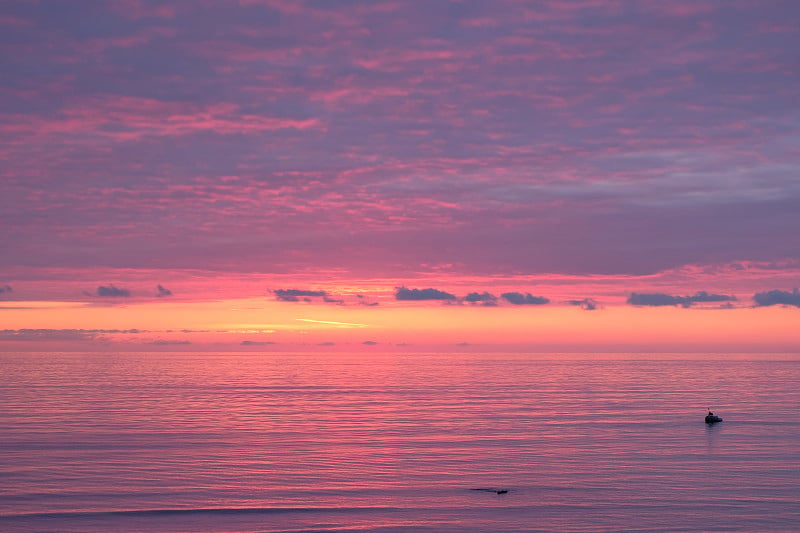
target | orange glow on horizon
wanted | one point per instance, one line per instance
(257, 320)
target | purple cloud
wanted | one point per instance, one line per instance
(294, 295)
(662, 300)
(404, 294)
(587, 304)
(518, 298)
(112, 292)
(483, 298)
(777, 297)
(362, 300)
(162, 291)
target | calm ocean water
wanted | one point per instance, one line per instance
(397, 442)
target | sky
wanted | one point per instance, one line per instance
(400, 174)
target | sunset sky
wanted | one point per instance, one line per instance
(576, 175)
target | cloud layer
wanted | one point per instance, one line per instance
(383, 139)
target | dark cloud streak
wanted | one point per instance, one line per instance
(657, 299)
(45, 334)
(294, 295)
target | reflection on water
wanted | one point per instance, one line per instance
(396, 442)
(712, 432)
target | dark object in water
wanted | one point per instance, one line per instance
(496, 491)
(711, 418)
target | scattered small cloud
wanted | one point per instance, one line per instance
(654, 299)
(5, 288)
(327, 344)
(518, 298)
(587, 304)
(256, 343)
(657, 299)
(162, 291)
(463, 344)
(777, 297)
(112, 292)
(45, 334)
(295, 295)
(162, 342)
(483, 298)
(704, 297)
(406, 294)
(362, 300)
(369, 343)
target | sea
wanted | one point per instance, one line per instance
(393, 442)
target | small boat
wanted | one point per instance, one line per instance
(711, 418)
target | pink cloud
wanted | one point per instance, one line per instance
(14, 22)
(683, 8)
(139, 9)
(366, 135)
(127, 119)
